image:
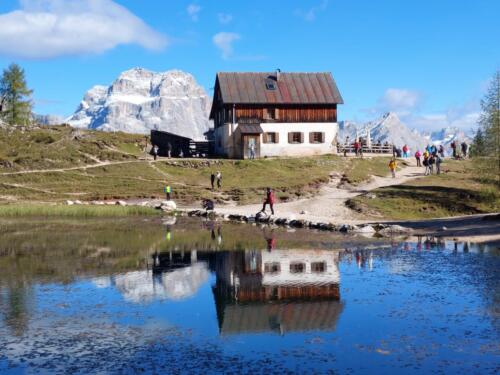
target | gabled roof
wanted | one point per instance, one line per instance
(290, 88)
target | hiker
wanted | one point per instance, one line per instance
(399, 152)
(394, 151)
(346, 146)
(441, 151)
(218, 176)
(155, 152)
(432, 161)
(356, 148)
(405, 151)
(465, 148)
(438, 164)
(212, 180)
(269, 201)
(454, 148)
(169, 150)
(418, 155)
(168, 191)
(426, 163)
(434, 150)
(208, 205)
(392, 166)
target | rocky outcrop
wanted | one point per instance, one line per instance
(140, 100)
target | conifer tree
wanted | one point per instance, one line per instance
(489, 125)
(15, 97)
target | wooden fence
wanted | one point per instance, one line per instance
(374, 149)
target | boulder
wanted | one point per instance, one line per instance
(262, 216)
(364, 229)
(346, 228)
(70, 203)
(168, 206)
(395, 229)
(121, 203)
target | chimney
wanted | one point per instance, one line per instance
(278, 71)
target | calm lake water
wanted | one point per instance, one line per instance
(135, 295)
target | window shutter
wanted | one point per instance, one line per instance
(301, 137)
(277, 114)
(277, 137)
(264, 138)
(322, 137)
(311, 137)
(290, 137)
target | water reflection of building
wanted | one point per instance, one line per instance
(282, 291)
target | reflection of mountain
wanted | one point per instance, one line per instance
(282, 291)
(175, 283)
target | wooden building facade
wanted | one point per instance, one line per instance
(289, 114)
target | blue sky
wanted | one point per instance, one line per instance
(427, 60)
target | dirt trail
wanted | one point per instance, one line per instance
(329, 204)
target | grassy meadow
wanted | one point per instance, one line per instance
(60, 163)
(460, 190)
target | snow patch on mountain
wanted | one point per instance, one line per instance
(141, 100)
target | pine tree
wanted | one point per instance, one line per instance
(15, 97)
(478, 147)
(489, 124)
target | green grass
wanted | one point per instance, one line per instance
(63, 147)
(458, 191)
(37, 210)
(359, 169)
(244, 181)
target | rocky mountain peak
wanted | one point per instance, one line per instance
(140, 100)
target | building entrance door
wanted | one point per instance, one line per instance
(251, 146)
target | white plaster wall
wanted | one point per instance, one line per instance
(286, 257)
(223, 140)
(283, 148)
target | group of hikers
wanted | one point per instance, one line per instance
(431, 158)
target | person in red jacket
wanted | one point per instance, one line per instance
(269, 200)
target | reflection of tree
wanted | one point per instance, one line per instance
(16, 304)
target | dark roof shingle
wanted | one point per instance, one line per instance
(291, 88)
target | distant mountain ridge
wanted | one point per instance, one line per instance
(140, 100)
(389, 128)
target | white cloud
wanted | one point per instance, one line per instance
(310, 14)
(407, 104)
(430, 122)
(51, 28)
(225, 18)
(224, 41)
(193, 10)
(401, 101)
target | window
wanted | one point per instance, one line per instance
(296, 137)
(297, 267)
(272, 267)
(271, 83)
(316, 137)
(270, 113)
(271, 138)
(318, 267)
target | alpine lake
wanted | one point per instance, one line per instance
(184, 295)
